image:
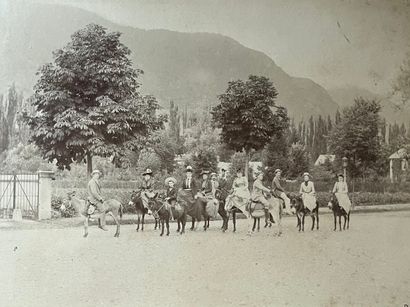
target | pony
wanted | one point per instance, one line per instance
(296, 202)
(338, 211)
(159, 208)
(140, 210)
(114, 208)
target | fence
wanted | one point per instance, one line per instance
(19, 191)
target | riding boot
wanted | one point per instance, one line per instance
(101, 222)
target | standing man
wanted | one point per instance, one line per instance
(279, 191)
(95, 198)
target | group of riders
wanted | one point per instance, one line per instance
(236, 196)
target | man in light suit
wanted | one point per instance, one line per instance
(95, 197)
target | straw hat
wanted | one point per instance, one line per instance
(148, 171)
(307, 174)
(170, 179)
(205, 172)
(277, 171)
(214, 175)
(95, 172)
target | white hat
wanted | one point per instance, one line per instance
(96, 171)
(148, 171)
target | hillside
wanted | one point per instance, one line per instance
(189, 68)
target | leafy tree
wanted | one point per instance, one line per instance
(245, 116)
(356, 136)
(204, 159)
(87, 101)
(298, 161)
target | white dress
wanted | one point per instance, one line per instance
(308, 195)
(340, 190)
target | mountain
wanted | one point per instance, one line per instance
(189, 68)
(345, 96)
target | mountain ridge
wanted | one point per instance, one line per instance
(189, 68)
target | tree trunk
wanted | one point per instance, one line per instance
(248, 154)
(89, 163)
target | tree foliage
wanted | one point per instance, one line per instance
(87, 101)
(402, 84)
(356, 136)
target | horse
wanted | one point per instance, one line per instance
(159, 208)
(296, 202)
(140, 210)
(114, 208)
(193, 206)
(338, 211)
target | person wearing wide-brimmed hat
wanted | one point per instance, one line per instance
(147, 187)
(279, 191)
(206, 185)
(189, 183)
(240, 194)
(214, 183)
(307, 190)
(259, 191)
(171, 194)
(95, 197)
(340, 190)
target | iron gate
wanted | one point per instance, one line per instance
(19, 191)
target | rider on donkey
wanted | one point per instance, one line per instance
(147, 187)
(189, 183)
(259, 191)
(171, 195)
(279, 191)
(95, 198)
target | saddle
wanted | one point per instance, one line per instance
(256, 209)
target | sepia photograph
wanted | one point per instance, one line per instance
(204, 153)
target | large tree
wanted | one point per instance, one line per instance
(87, 101)
(356, 135)
(245, 115)
(402, 84)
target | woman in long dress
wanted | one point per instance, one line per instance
(307, 190)
(240, 194)
(340, 190)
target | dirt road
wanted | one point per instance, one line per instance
(368, 265)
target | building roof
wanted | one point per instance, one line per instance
(400, 154)
(323, 158)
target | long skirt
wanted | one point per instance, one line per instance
(309, 201)
(344, 201)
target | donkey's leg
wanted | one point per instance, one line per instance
(167, 224)
(312, 215)
(162, 229)
(179, 224)
(193, 224)
(234, 220)
(86, 227)
(334, 218)
(348, 220)
(254, 224)
(138, 222)
(317, 219)
(345, 220)
(143, 221)
(183, 222)
(259, 224)
(340, 222)
(114, 216)
(303, 221)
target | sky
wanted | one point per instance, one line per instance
(333, 42)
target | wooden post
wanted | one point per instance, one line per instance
(391, 171)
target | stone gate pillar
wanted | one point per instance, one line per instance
(45, 191)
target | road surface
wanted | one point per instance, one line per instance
(368, 265)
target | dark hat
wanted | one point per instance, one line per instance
(340, 175)
(148, 171)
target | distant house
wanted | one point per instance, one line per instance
(398, 164)
(322, 159)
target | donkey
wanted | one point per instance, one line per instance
(159, 208)
(193, 206)
(179, 213)
(140, 210)
(114, 208)
(296, 202)
(338, 211)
